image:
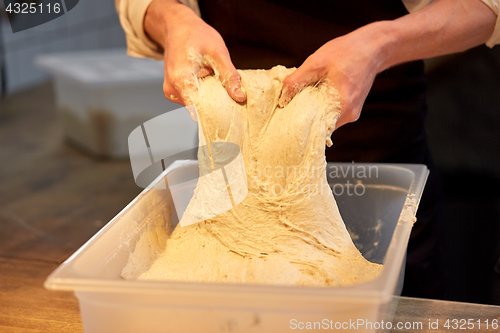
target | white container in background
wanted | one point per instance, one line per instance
(380, 221)
(103, 95)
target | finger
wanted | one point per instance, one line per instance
(168, 89)
(233, 87)
(186, 83)
(229, 76)
(341, 122)
(174, 96)
(348, 116)
(181, 82)
(192, 112)
(170, 92)
(204, 71)
(295, 82)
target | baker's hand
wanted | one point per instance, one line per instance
(347, 64)
(192, 50)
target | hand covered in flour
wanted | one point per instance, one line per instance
(192, 50)
(347, 64)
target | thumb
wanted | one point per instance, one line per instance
(294, 83)
(230, 78)
(192, 112)
(232, 83)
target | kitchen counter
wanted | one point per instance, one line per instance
(53, 198)
(424, 315)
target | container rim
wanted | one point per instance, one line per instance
(60, 65)
(381, 289)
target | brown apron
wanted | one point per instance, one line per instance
(263, 33)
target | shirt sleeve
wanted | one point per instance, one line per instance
(495, 37)
(414, 5)
(131, 14)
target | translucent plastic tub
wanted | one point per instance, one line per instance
(103, 95)
(377, 201)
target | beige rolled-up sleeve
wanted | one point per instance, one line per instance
(131, 14)
(495, 37)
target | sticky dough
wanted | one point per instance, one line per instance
(288, 229)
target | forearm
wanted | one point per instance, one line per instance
(161, 15)
(349, 63)
(445, 26)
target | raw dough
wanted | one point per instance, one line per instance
(288, 229)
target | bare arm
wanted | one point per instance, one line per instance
(351, 62)
(445, 26)
(192, 49)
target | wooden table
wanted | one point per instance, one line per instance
(424, 315)
(53, 198)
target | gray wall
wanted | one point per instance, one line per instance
(91, 25)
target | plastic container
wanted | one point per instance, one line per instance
(378, 209)
(103, 95)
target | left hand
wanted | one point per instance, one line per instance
(348, 64)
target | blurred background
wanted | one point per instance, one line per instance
(82, 28)
(56, 191)
(464, 134)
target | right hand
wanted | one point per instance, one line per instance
(192, 50)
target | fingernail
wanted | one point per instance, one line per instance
(238, 93)
(192, 112)
(283, 101)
